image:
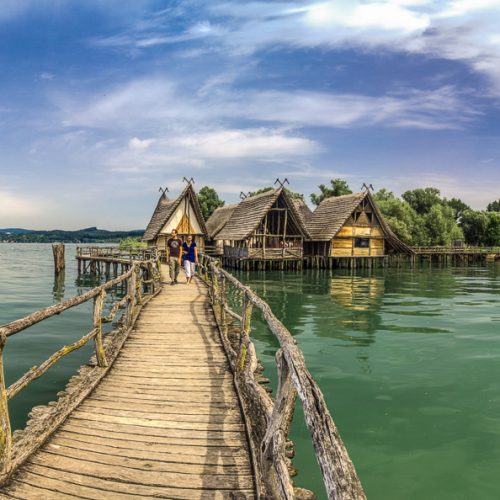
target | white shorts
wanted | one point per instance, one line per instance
(190, 268)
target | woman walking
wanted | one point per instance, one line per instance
(190, 258)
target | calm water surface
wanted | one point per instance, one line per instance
(408, 361)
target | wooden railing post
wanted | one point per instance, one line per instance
(246, 320)
(5, 431)
(131, 289)
(99, 346)
(138, 285)
(273, 446)
(222, 302)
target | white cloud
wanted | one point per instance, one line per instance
(136, 143)
(149, 105)
(442, 108)
(47, 76)
(199, 149)
(461, 30)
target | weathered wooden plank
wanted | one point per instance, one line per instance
(26, 491)
(107, 487)
(228, 440)
(176, 429)
(229, 416)
(148, 464)
(144, 477)
(177, 423)
(168, 453)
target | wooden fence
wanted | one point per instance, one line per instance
(143, 282)
(456, 250)
(269, 421)
(92, 252)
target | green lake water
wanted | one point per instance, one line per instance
(408, 361)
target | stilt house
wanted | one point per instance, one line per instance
(183, 213)
(350, 226)
(215, 223)
(266, 226)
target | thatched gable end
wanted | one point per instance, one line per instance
(249, 213)
(166, 208)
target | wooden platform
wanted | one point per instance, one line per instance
(164, 423)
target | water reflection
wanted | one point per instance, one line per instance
(360, 299)
(58, 287)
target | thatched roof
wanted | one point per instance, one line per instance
(303, 210)
(249, 213)
(332, 213)
(219, 219)
(165, 208)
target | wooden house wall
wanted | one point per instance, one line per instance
(343, 244)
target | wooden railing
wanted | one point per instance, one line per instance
(116, 253)
(269, 421)
(448, 249)
(143, 282)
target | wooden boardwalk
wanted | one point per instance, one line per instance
(165, 422)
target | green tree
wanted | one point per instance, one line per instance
(209, 201)
(402, 219)
(441, 226)
(481, 227)
(494, 206)
(289, 192)
(338, 187)
(459, 206)
(493, 230)
(474, 224)
(422, 200)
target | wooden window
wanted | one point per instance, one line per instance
(361, 242)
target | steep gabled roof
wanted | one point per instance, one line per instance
(165, 208)
(332, 213)
(249, 212)
(219, 219)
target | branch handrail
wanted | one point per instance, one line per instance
(142, 275)
(270, 420)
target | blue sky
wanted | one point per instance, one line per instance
(103, 101)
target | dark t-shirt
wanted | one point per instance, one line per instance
(190, 251)
(174, 246)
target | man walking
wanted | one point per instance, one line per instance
(174, 245)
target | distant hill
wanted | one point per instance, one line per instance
(87, 235)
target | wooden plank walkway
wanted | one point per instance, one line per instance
(164, 423)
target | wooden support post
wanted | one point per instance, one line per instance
(5, 431)
(99, 347)
(58, 252)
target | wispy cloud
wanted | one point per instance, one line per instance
(146, 104)
(459, 30)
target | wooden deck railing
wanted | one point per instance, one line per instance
(269, 421)
(143, 282)
(117, 253)
(448, 249)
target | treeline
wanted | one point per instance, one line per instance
(420, 217)
(87, 235)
